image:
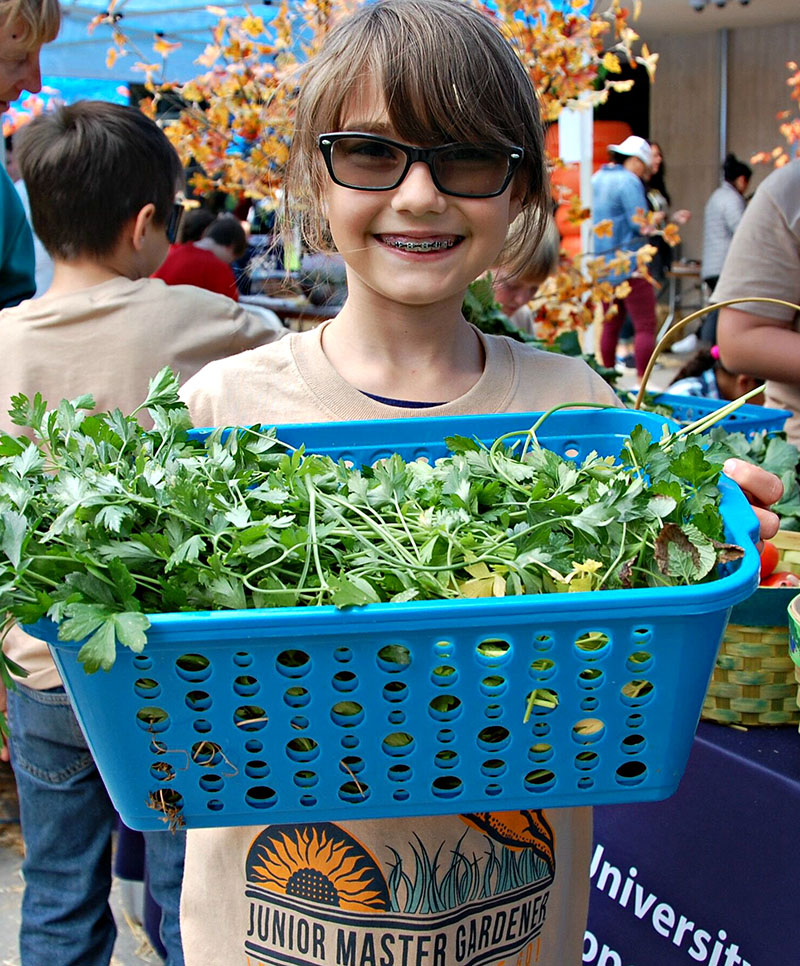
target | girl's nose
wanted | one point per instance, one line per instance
(417, 193)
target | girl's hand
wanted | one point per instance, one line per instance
(681, 216)
(761, 488)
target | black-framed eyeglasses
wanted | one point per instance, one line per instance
(369, 162)
(175, 219)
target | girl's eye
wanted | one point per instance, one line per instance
(366, 149)
(470, 154)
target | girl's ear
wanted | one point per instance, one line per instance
(142, 224)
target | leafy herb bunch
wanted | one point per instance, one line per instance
(103, 521)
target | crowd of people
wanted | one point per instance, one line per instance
(415, 226)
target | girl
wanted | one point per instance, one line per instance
(418, 156)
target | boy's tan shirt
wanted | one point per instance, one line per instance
(341, 893)
(109, 340)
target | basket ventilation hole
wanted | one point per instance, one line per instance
(639, 661)
(443, 649)
(541, 701)
(493, 685)
(302, 749)
(493, 652)
(193, 667)
(343, 655)
(142, 663)
(152, 719)
(637, 692)
(542, 668)
(588, 730)
(158, 747)
(345, 681)
(162, 771)
(256, 768)
(250, 717)
(354, 791)
(215, 805)
(309, 801)
(198, 700)
(352, 764)
(305, 778)
(246, 685)
(400, 773)
(493, 737)
(447, 786)
(202, 726)
(299, 722)
(494, 767)
(540, 752)
(396, 717)
(398, 743)
(394, 658)
(293, 663)
(587, 760)
(261, 796)
(543, 642)
(347, 714)
(635, 720)
(253, 746)
(540, 780)
(633, 744)
(591, 678)
(445, 707)
(444, 676)
(296, 697)
(207, 754)
(446, 758)
(211, 783)
(242, 659)
(631, 773)
(592, 645)
(395, 691)
(400, 795)
(350, 741)
(147, 687)
(494, 789)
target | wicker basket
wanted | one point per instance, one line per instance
(755, 681)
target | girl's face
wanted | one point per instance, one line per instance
(657, 156)
(411, 245)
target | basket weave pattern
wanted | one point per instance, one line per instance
(754, 680)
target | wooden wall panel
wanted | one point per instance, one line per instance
(684, 108)
(684, 119)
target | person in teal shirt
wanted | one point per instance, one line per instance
(17, 263)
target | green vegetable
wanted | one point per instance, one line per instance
(103, 522)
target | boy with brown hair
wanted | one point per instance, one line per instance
(102, 182)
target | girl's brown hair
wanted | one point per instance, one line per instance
(447, 74)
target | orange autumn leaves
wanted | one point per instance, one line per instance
(789, 126)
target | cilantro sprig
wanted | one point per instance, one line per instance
(103, 522)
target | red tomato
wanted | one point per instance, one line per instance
(769, 559)
(783, 578)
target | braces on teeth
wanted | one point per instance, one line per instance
(423, 246)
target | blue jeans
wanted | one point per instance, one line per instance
(67, 821)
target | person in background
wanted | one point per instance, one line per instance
(705, 375)
(206, 262)
(619, 198)
(102, 181)
(658, 200)
(723, 212)
(514, 291)
(25, 25)
(43, 263)
(764, 261)
(195, 221)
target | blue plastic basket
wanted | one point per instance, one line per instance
(358, 687)
(747, 419)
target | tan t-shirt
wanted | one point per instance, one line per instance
(764, 261)
(485, 889)
(109, 340)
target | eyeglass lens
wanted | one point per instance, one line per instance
(463, 169)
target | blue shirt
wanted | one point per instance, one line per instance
(617, 196)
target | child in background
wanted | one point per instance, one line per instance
(206, 262)
(705, 375)
(101, 180)
(375, 175)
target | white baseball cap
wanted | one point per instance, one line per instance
(634, 147)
